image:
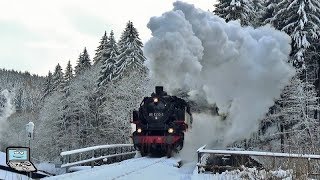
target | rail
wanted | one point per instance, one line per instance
(96, 153)
(305, 157)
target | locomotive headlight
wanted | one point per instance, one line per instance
(170, 130)
(139, 130)
(155, 100)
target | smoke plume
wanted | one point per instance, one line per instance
(6, 107)
(240, 69)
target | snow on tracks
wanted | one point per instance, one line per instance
(139, 168)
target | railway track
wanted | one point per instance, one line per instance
(144, 167)
(141, 168)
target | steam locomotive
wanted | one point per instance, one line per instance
(161, 122)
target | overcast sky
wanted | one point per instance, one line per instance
(35, 35)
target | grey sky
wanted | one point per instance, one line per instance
(35, 35)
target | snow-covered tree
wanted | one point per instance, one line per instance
(221, 8)
(242, 10)
(100, 49)
(121, 98)
(68, 75)
(292, 121)
(108, 66)
(80, 112)
(300, 19)
(50, 129)
(269, 12)
(131, 56)
(299, 105)
(48, 86)
(57, 78)
(122, 40)
(83, 62)
(258, 12)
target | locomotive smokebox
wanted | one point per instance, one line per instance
(159, 90)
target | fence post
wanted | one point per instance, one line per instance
(308, 167)
(199, 162)
(121, 150)
(92, 162)
(115, 152)
(68, 158)
(274, 163)
(62, 159)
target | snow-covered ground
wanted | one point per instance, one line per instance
(138, 168)
(153, 168)
(164, 168)
(6, 174)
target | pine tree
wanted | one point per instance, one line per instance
(258, 12)
(242, 10)
(68, 75)
(300, 19)
(101, 48)
(269, 12)
(299, 104)
(112, 48)
(122, 40)
(83, 62)
(131, 56)
(294, 116)
(48, 86)
(57, 78)
(108, 65)
(221, 8)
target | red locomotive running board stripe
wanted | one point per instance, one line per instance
(157, 139)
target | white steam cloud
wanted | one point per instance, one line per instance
(6, 107)
(240, 69)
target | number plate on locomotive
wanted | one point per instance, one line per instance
(156, 114)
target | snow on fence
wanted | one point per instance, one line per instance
(96, 153)
(202, 150)
(305, 157)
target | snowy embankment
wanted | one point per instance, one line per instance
(146, 168)
(164, 168)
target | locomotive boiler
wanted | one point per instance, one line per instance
(161, 122)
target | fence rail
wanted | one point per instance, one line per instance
(96, 153)
(202, 150)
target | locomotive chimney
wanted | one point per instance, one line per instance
(159, 90)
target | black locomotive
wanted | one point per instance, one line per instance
(160, 123)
